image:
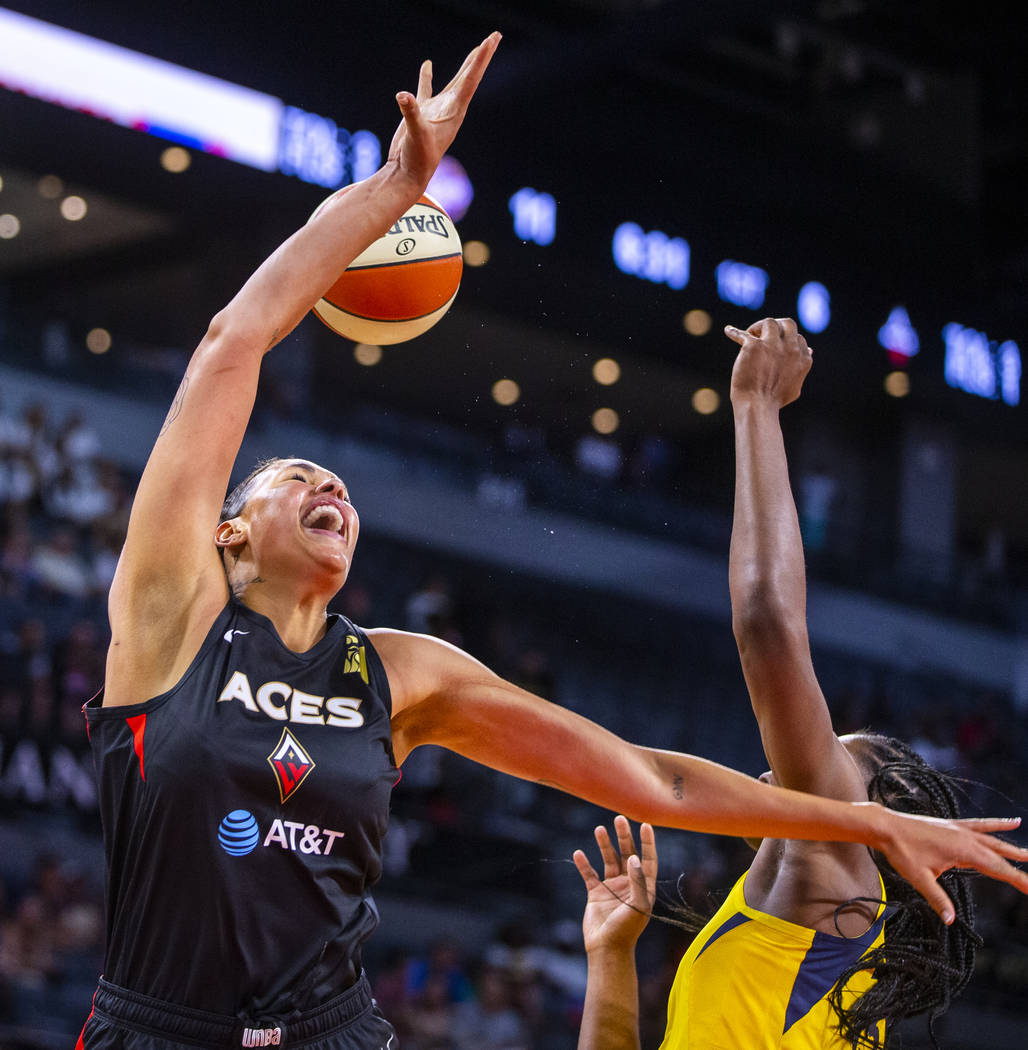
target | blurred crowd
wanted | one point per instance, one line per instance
(461, 835)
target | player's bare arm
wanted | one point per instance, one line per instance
(443, 696)
(169, 584)
(766, 571)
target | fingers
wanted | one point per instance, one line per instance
(479, 62)
(467, 78)
(639, 888)
(735, 334)
(991, 823)
(648, 852)
(936, 896)
(626, 844)
(425, 81)
(1008, 849)
(585, 869)
(611, 861)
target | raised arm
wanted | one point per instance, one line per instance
(616, 912)
(766, 572)
(443, 696)
(169, 583)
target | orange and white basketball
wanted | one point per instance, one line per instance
(402, 284)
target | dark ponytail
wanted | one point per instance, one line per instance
(923, 964)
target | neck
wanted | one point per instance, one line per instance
(300, 617)
(300, 627)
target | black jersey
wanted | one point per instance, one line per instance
(243, 814)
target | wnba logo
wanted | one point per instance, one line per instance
(262, 1036)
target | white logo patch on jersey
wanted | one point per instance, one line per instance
(281, 701)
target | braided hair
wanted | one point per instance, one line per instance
(923, 964)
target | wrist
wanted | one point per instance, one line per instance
(754, 402)
(882, 824)
(402, 180)
(611, 951)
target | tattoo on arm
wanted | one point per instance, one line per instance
(274, 338)
(677, 787)
(176, 405)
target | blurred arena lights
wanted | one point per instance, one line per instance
(98, 341)
(367, 354)
(175, 159)
(506, 391)
(138, 91)
(706, 401)
(897, 384)
(74, 208)
(476, 253)
(696, 322)
(50, 187)
(814, 307)
(605, 421)
(606, 371)
(451, 186)
(10, 226)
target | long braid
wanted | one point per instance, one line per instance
(923, 964)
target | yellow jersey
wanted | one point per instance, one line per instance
(752, 981)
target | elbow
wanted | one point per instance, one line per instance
(229, 339)
(763, 622)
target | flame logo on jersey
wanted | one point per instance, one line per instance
(356, 662)
(290, 763)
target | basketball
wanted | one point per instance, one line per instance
(402, 284)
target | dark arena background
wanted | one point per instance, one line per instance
(544, 478)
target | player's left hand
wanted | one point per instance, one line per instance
(922, 848)
(430, 122)
(773, 362)
(618, 907)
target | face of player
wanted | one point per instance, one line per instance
(299, 519)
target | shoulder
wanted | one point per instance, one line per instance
(419, 666)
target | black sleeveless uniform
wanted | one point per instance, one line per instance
(243, 814)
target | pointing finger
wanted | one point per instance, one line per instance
(425, 81)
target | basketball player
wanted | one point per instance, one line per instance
(805, 952)
(247, 742)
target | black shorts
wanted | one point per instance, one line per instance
(125, 1020)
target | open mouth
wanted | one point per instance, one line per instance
(324, 517)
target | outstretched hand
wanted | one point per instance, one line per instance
(773, 362)
(430, 122)
(618, 907)
(922, 848)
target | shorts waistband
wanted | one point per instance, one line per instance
(221, 1031)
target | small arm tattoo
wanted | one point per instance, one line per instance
(676, 787)
(176, 405)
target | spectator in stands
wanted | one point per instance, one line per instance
(490, 1019)
(59, 567)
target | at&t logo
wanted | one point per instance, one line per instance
(239, 834)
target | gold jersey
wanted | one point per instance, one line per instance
(752, 981)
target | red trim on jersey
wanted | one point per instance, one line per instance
(83, 709)
(138, 726)
(80, 1045)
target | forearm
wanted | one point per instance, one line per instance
(610, 1020)
(292, 279)
(766, 571)
(698, 795)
